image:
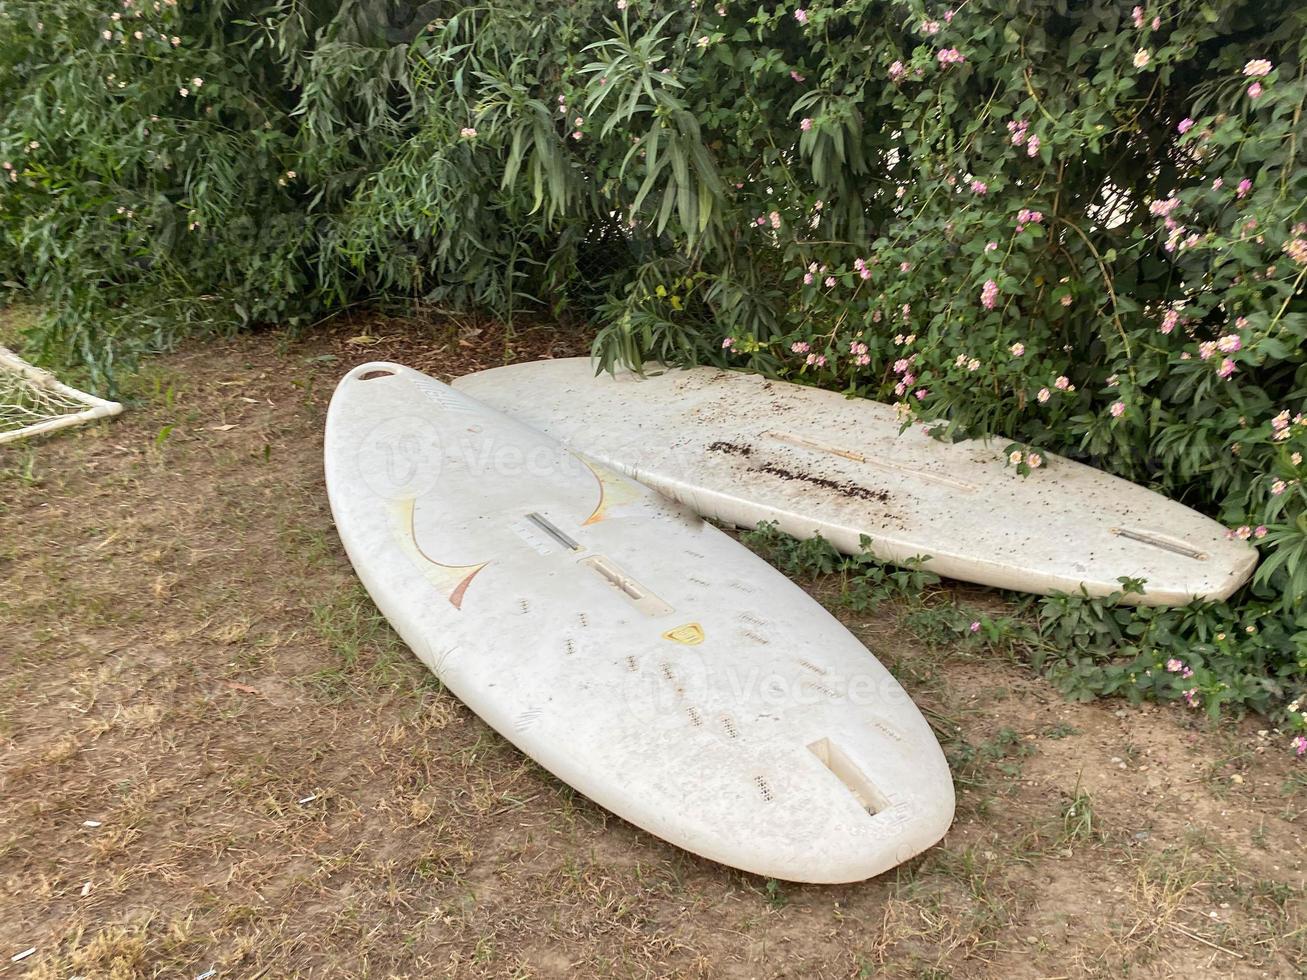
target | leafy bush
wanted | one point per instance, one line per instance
(1078, 226)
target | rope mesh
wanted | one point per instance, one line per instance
(32, 400)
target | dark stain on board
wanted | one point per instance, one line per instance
(845, 488)
(732, 448)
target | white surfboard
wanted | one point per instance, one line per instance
(636, 652)
(742, 449)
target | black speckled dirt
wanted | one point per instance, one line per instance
(844, 489)
(733, 448)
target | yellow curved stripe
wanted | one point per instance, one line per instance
(614, 490)
(451, 580)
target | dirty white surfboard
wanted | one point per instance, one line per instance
(742, 449)
(636, 652)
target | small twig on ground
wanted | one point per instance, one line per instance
(1206, 942)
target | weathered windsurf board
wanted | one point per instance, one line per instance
(743, 450)
(635, 651)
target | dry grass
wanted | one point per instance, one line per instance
(216, 756)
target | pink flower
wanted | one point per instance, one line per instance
(830, 282)
(1034, 461)
(1229, 343)
(1162, 207)
(930, 27)
(1191, 697)
(1244, 187)
(989, 294)
(799, 347)
(728, 343)
(1278, 487)
(467, 132)
(1226, 369)
(1117, 409)
(1260, 531)
(775, 219)
(801, 16)
(1017, 130)
(1032, 146)
(1299, 745)
(1186, 124)
(1255, 90)
(817, 360)
(1017, 349)
(797, 77)
(807, 278)
(1066, 300)
(805, 124)
(975, 628)
(1169, 321)
(991, 246)
(921, 394)
(1257, 68)
(904, 266)
(1217, 184)
(949, 56)
(1063, 383)
(1043, 395)
(1142, 57)
(1157, 23)
(1137, 15)
(1015, 457)
(979, 187)
(948, 17)
(897, 71)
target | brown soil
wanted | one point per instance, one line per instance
(730, 448)
(214, 755)
(843, 488)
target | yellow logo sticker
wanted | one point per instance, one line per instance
(690, 634)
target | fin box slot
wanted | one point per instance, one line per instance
(846, 771)
(631, 590)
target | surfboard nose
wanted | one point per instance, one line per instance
(371, 371)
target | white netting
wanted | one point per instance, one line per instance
(34, 401)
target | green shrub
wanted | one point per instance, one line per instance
(1078, 226)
